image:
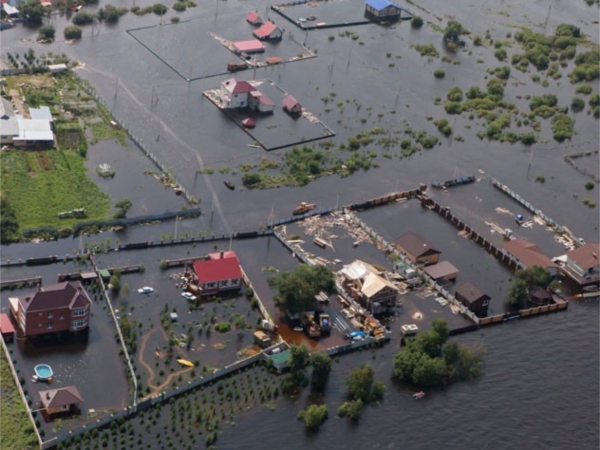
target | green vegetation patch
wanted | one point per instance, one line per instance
(427, 50)
(17, 429)
(40, 184)
(563, 127)
(587, 66)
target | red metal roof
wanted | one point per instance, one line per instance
(238, 87)
(251, 46)
(266, 100)
(6, 325)
(253, 17)
(265, 30)
(221, 255)
(290, 102)
(209, 270)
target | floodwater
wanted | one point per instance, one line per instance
(540, 387)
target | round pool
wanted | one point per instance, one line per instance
(43, 371)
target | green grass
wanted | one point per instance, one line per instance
(17, 429)
(40, 184)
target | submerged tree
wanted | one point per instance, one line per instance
(321, 364)
(296, 290)
(314, 416)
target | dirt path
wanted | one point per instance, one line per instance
(157, 389)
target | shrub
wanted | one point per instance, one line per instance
(500, 54)
(453, 107)
(175, 19)
(222, 327)
(351, 409)
(528, 138)
(314, 416)
(562, 127)
(443, 127)
(46, 32)
(594, 100)
(584, 89)
(179, 6)
(477, 41)
(72, 32)
(83, 18)
(589, 185)
(577, 104)
(251, 179)
(439, 73)
(427, 50)
(159, 9)
(416, 22)
(455, 94)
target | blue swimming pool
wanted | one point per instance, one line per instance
(43, 371)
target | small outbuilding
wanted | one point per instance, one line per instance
(249, 122)
(253, 18)
(470, 295)
(248, 47)
(57, 68)
(268, 32)
(442, 271)
(291, 106)
(417, 249)
(382, 10)
(538, 296)
(6, 328)
(61, 400)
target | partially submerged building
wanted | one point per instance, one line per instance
(582, 264)
(55, 308)
(291, 106)
(417, 249)
(442, 271)
(529, 254)
(472, 297)
(268, 32)
(242, 94)
(368, 286)
(383, 11)
(220, 272)
(249, 47)
(9, 127)
(253, 18)
(61, 400)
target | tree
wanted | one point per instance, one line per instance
(299, 359)
(72, 32)
(314, 416)
(453, 31)
(535, 276)
(9, 226)
(83, 18)
(159, 9)
(123, 206)
(321, 364)
(46, 32)
(416, 22)
(32, 11)
(360, 382)
(351, 409)
(296, 290)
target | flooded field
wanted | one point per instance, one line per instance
(378, 79)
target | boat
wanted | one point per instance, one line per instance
(453, 182)
(185, 362)
(145, 290)
(304, 208)
(230, 185)
(418, 395)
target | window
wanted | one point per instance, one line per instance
(79, 312)
(62, 317)
(49, 325)
(211, 285)
(50, 314)
(486, 302)
(64, 407)
(78, 324)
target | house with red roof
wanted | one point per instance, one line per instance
(582, 264)
(529, 254)
(242, 94)
(61, 400)
(268, 32)
(220, 272)
(55, 308)
(254, 19)
(291, 106)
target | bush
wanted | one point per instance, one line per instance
(72, 32)
(528, 138)
(251, 179)
(477, 41)
(453, 107)
(351, 409)
(222, 327)
(159, 9)
(175, 19)
(46, 32)
(416, 22)
(443, 127)
(179, 6)
(584, 89)
(455, 94)
(439, 73)
(83, 18)
(589, 185)
(562, 127)
(314, 416)
(594, 100)
(577, 104)
(500, 54)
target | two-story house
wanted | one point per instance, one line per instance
(368, 286)
(582, 264)
(220, 272)
(51, 309)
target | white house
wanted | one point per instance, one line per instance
(9, 127)
(242, 94)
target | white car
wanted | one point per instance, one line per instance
(188, 296)
(145, 290)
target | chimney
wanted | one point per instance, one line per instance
(38, 287)
(47, 395)
(222, 254)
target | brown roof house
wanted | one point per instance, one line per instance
(368, 286)
(61, 400)
(291, 106)
(538, 296)
(530, 255)
(417, 249)
(442, 271)
(470, 295)
(582, 264)
(58, 307)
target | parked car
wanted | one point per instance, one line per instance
(145, 290)
(356, 336)
(188, 296)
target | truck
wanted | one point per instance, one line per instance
(324, 322)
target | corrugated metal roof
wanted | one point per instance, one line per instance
(265, 30)
(379, 5)
(211, 270)
(251, 46)
(34, 130)
(41, 113)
